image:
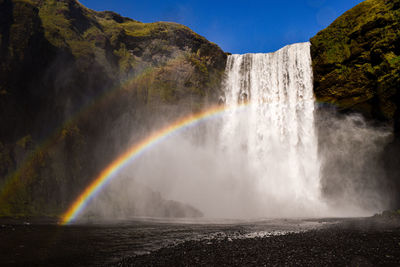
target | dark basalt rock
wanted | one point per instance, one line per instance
(58, 58)
(356, 63)
(356, 60)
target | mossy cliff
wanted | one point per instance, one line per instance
(356, 62)
(69, 77)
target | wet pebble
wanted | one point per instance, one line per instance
(343, 245)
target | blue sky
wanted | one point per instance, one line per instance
(237, 26)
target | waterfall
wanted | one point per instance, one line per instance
(260, 157)
(276, 130)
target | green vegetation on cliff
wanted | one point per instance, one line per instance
(67, 74)
(356, 60)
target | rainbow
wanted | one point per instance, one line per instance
(11, 181)
(131, 154)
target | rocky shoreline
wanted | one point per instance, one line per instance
(358, 242)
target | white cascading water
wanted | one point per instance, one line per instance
(276, 130)
(260, 159)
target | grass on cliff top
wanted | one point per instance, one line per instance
(140, 29)
(61, 32)
(362, 17)
(57, 26)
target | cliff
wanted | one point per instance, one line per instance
(356, 60)
(356, 63)
(69, 76)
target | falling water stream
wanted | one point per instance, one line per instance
(277, 131)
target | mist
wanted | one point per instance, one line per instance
(277, 157)
(191, 167)
(353, 178)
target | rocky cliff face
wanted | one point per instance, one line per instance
(67, 74)
(356, 62)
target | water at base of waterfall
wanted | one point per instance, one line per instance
(42, 242)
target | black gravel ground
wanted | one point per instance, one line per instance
(325, 242)
(358, 242)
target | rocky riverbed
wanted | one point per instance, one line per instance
(356, 242)
(150, 242)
